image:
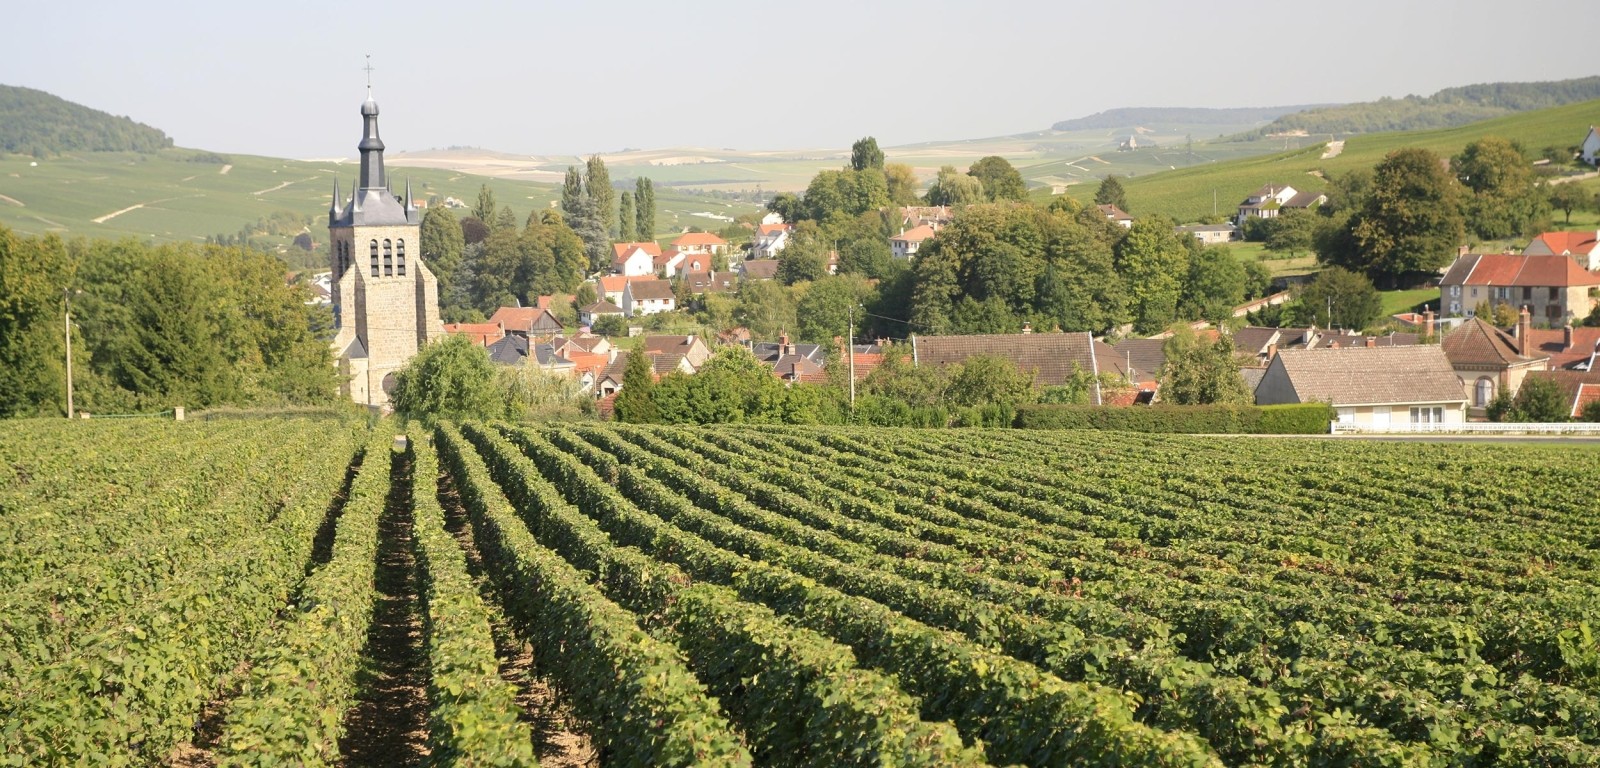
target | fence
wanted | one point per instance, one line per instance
(1577, 428)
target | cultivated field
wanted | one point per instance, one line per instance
(296, 591)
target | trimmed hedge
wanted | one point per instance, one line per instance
(1300, 419)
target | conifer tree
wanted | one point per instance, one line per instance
(598, 184)
(627, 218)
(572, 195)
(644, 201)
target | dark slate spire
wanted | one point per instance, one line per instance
(408, 193)
(333, 207)
(372, 175)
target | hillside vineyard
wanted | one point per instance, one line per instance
(300, 592)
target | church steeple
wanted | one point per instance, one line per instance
(333, 207)
(372, 175)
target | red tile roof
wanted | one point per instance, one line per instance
(623, 249)
(698, 238)
(613, 283)
(915, 235)
(1553, 342)
(1569, 242)
(483, 334)
(767, 229)
(1504, 269)
(526, 320)
(1113, 213)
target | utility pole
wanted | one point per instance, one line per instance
(67, 315)
(850, 349)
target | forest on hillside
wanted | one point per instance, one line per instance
(36, 123)
(1130, 116)
(1446, 109)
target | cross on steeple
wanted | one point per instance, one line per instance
(368, 68)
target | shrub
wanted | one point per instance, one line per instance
(1309, 418)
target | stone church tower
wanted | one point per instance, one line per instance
(385, 300)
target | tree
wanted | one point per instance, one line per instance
(868, 256)
(787, 205)
(451, 378)
(1504, 199)
(572, 195)
(766, 307)
(644, 201)
(1590, 412)
(989, 380)
(732, 387)
(1198, 372)
(1567, 198)
(823, 311)
(1111, 193)
(505, 219)
(902, 183)
(953, 188)
(636, 402)
(473, 230)
(1215, 285)
(598, 184)
(846, 193)
(441, 243)
(1154, 265)
(533, 392)
(1411, 222)
(34, 274)
(865, 154)
(486, 208)
(803, 260)
(1539, 399)
(1000, 180)
(1291, 231)
(1351, 299)
(627, 218)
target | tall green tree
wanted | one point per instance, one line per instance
(953, 188)
(505, 219)
(1538, 400)
(1154, 264)
(572, 195)
(766, 307)
(441, 244)
(1215, 285)
(1339, 298)
(1198, 372)
(902, 183)
(1410, 223)
(598, 184)
(990, 380)
(1503, 197)
(1567, 198)
(865, 154)
(644, 199)
(1291, 231)
(1111, 193)
(485, 209)
(450, 378)
(1000, 180)
(34, 277)
(636, 402)
(824, 310)
(627, 218)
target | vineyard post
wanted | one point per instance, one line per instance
(67, 323)
(850, 349)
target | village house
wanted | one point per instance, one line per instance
(1554, 288)
(1489, 361)
(1053, 358)
(1209, 234)
(669, 263)
(935, 216)
(703, 243)
(1116, 215)
(635, 259)
(602, 308)
(1268, 201)
(1589, 150)
(863, 359)
(1581, 388)
(758, 269)
(482, 334)
(769, 240)
(1569, 348)
(701, 283)
(1581, 246)
(648, 297)
(609, 287)
(693, 349)
(1368, 386)
(1264, 343)
(906, 244)
(526, 321)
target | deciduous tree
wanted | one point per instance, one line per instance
(1410, 223)
(627, 218)
(1000, 180)
(450, 378)
(1199, 372)
(902, 182)
(865, 154)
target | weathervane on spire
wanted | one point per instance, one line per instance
(368, 68)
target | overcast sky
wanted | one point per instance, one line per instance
(285, 79)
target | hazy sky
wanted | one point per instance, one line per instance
(285, 78)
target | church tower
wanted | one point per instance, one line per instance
(385, 300)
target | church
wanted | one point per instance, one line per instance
(385, 300)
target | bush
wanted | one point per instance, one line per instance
(1311, 418)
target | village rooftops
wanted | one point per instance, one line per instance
(1370, 376)
(1477, 344)
(1511, 270)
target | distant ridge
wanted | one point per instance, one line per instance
(1448, 108)
(1127, 117)
(34, 122)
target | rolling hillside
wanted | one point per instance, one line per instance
(36, 123)
(1186, 194)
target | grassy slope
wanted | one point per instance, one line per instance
(186, 201)
(1186, 194)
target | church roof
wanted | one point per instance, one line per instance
(372, 203)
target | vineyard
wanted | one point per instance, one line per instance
(286, 592)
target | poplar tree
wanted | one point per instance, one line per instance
(627, 218)
(644, 200)
(600, 191)
(572, 194)
(486, 208)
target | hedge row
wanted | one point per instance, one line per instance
(637, 693)
(1301, 419)
(800, 696)
(475, 713)
(291, 709)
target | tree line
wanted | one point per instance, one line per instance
(1447, 108)
(33, 122)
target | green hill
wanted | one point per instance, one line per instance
(1446, 109)
(39, 124)
(1187, 194)
(1128, 117)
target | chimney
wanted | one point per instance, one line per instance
(1372, 341)
(1027, 328)
(1524, 327)
(1427, 322)
(1566, 336)
(1272, 351)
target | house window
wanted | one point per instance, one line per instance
(1555, 293)
(1455, 307)
(1455, 290)
(1427, 415)
(1527, 293)
(1474, 293)
(388, 259)
(1483, 392)
(374, 258)
(1346, 415)
(400, 258)
(1553, 313)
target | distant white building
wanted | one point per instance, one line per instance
(1589, 150)
(908, 242)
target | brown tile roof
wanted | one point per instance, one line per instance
(708, 282)
(1372, 376)
(796, 368)
(602, 307)
(483, 334)
(1553, 343)
(1113, 213)
(915, 234)
(761, 269)
(650, 289)
(1051, 356)
(678, 344)
(666, 362)
(1254, 339)
(1304, 200)
(698, 238)
(526, 320)
(1478, 344)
